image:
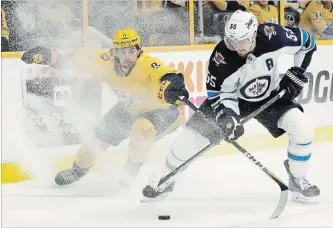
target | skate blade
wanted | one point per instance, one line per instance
(158, 199)
(299, 198)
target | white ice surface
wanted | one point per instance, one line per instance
(222, 191)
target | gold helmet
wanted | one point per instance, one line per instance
(126, 38)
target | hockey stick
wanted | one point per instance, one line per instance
(283, 187)
(209, 146)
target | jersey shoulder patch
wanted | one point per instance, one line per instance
(106, 55)
(218, 55)
(273, 37)
(269, 30)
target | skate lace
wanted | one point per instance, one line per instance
(303, 183)
(69, 176)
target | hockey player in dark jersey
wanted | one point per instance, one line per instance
(243, 75)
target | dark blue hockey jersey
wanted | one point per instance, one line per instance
(254, 77)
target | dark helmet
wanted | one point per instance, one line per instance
(292, 16)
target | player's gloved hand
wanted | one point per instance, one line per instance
(38, 55)
(172, 87)
(293, 82)
(228, 120)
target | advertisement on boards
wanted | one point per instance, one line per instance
(53, 100)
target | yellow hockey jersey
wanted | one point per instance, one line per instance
(314, 18)
(265, 16)
(222, 4)
(139, 89)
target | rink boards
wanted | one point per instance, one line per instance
(317, 100)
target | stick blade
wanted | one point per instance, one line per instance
(282, 203)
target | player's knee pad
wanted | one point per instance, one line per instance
(184, 146)
(143, 129)
(143, 135)
(300, 132)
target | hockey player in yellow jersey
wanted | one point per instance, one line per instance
(264, 12)
(149, 110)
(315, 19)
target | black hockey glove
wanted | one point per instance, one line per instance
(38, 55)
(228, 120)
(293, 82)
(172, 87)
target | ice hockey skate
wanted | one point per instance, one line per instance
(153, 193)
(302, 190)
(70, 176)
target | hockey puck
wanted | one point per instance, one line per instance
(163, 217)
